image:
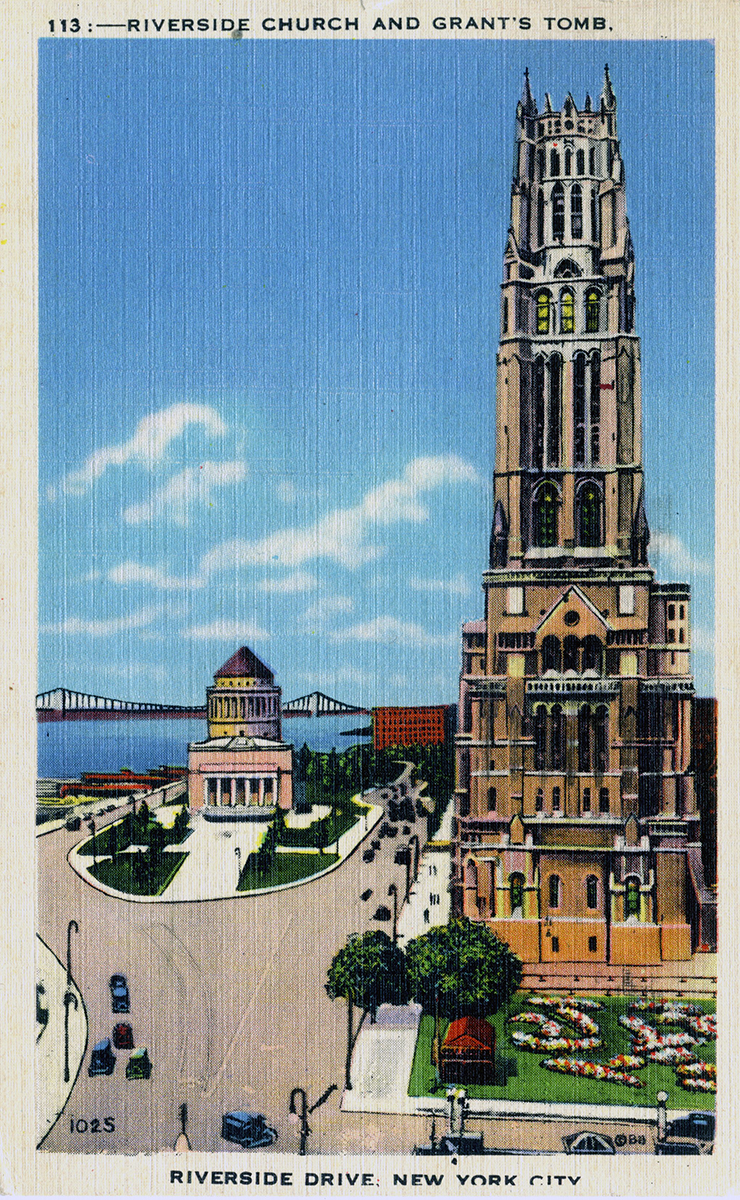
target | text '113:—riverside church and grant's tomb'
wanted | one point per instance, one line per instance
(576, 836)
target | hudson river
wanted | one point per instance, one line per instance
(66, 748)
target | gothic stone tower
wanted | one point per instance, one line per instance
(576, 832)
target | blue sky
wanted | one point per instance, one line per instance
(269, 280)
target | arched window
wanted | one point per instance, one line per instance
(566, 311)
(584, 743)
(554, 890)
(540, 217)
(571, 654)
(539, 800)
(491, 799)
(556, 799)
(540, 733)
(545, 515)
(568, 159)
(576, 211)
(593, 300)
(538, 413)
(558, 211)
(541, 163)
(579, 410)
(593, 654)
(594, 215)
(601, 748)
(592, 892)
(242, 708)
(505, 315)
(543, 312)
(557, 739)
(586, 800)
(471, 875)
(580, 163)
(595, 408)
(555, 370)
(516, 893)
(631, 897)
(592, 161)
(567, 268)
(554, 162)
(603, 800)
(589, 514)
(550, 654)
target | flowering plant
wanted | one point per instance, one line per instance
(591, 1070)
(692, 1070)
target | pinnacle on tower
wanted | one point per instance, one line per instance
(608, 99)
(529, 108)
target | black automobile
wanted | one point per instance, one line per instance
(368, 855)
(382, 914)
(393, 810)
(699, 1125)
(72, 824)
(247, 1129)
(385, 830)
(120, 1000)
(677, 1148)
(102, 1059)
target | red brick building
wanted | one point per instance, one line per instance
(423, 726)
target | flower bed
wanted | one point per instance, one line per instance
(591, 1070)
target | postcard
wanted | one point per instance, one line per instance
(367, 370)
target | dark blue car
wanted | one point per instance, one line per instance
(119, 994)
(247, 1129)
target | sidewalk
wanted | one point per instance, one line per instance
(429, 898)
(52, 1092)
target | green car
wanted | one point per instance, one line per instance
(138, 1065)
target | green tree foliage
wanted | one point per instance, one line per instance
(370, 971)
(464, 968)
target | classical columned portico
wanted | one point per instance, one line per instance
(233, 791)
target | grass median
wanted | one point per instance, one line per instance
(286, 868)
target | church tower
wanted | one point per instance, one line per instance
(576, 832)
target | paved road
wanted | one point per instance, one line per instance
(228, 997)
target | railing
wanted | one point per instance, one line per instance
(625, 982)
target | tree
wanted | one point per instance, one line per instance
(368, 971)
(461, 969)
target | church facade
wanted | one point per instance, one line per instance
(576, 833)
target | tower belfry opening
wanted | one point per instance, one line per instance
(575, 704)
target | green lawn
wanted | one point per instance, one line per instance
(519, 1075)
(288, 868)
(118, 873)
(345, 815)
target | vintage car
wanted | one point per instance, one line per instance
(247, 1129)
(102, 1059)
(139, 1065)
(120, 999)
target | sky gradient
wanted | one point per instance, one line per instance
(268, 297)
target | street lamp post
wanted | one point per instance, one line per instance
(69, 951)
(393, 891)
(299, 1117)
(662, 1098)
(91, 827)
(238, 853)
(69, 998)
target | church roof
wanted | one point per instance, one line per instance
(245, 664)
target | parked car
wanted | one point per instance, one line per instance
(393, 831)
(393, 810)
(102, 1059)
(402, 856)
(368, 855)
(72, 824)
(366, 894)
(677, 1148)
(699, 1125)
(110, 808)
(123, 1037)
(375, 843)
(406, 830)
(588, 1143)
(120, 999)
(139, 1065)
(382, 914)
(247, 1129)
(385, 829)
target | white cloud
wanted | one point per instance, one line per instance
(670, 546)
(193, 485)
(702, 639)
(226, 630)
(459, 586)
(105, 628)
(148, 445)
(131, 572)
(346, 534)
(328, 606)
(390, 631)
(287, 491)
(299, 581)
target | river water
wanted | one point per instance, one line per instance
(66, 748)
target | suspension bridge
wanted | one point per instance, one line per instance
(64, 704)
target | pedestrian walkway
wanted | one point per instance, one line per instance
(382, 1061)
(52, 1091)
(429, 898)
